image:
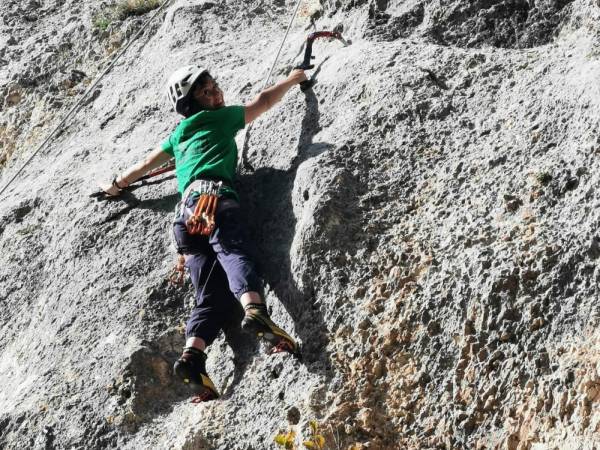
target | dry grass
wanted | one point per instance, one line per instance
(310, 8)
(122, 10)
(128, 8)
(8, 139)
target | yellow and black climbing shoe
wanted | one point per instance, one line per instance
(191, 369)
(257, 322)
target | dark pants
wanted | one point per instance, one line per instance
(220, 267)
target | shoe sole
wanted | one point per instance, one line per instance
(275, 339)
(206, 383)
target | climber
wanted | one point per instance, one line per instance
(218, 258)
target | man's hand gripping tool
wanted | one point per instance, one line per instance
(308, 57)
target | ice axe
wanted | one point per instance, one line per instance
(308, 57)
(169, 166)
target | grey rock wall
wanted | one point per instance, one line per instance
(425, 219)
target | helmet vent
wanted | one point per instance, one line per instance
(180, 85)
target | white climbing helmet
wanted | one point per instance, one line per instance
(180, 85)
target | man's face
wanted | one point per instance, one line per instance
(210, 95)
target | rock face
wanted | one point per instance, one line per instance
(426, 219)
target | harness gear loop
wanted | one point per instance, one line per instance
(202, 221)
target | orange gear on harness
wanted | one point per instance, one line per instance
(203, 220)
(178, 273)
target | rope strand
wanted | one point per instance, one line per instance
(79, 103)
(249, 129)
(282, 42)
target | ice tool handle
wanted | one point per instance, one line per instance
(308, 57)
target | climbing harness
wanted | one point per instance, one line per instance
(308, 57)
(80, 102)
(202, 220)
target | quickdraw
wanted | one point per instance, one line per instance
(178, 274)
(308, 57)
(202, 221)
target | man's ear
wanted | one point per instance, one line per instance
(196, 93)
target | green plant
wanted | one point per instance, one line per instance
(543, 177)
(122, 10)
(316, 440)
(286, 440)
(101, 22)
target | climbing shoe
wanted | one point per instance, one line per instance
(191, 369)
(257, 321)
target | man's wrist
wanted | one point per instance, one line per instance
(115, 184)
(120, 185)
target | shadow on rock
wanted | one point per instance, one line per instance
(267, 200)
(243, 351)
(146, 387)
(164, 204)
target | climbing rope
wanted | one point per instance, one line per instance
(282, 43)
(287, 32)
(79, 103)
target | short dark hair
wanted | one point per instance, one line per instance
(191, 106)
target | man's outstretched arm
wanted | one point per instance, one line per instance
(155, 159)
(272, 95)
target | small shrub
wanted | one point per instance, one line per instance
(286, 440)
(122, 10)
(101, 22)
(316, 440)
(128, 8)
(29, 229)
(543, 177)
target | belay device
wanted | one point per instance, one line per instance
(308, 57)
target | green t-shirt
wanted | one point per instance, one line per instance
(203, 145)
